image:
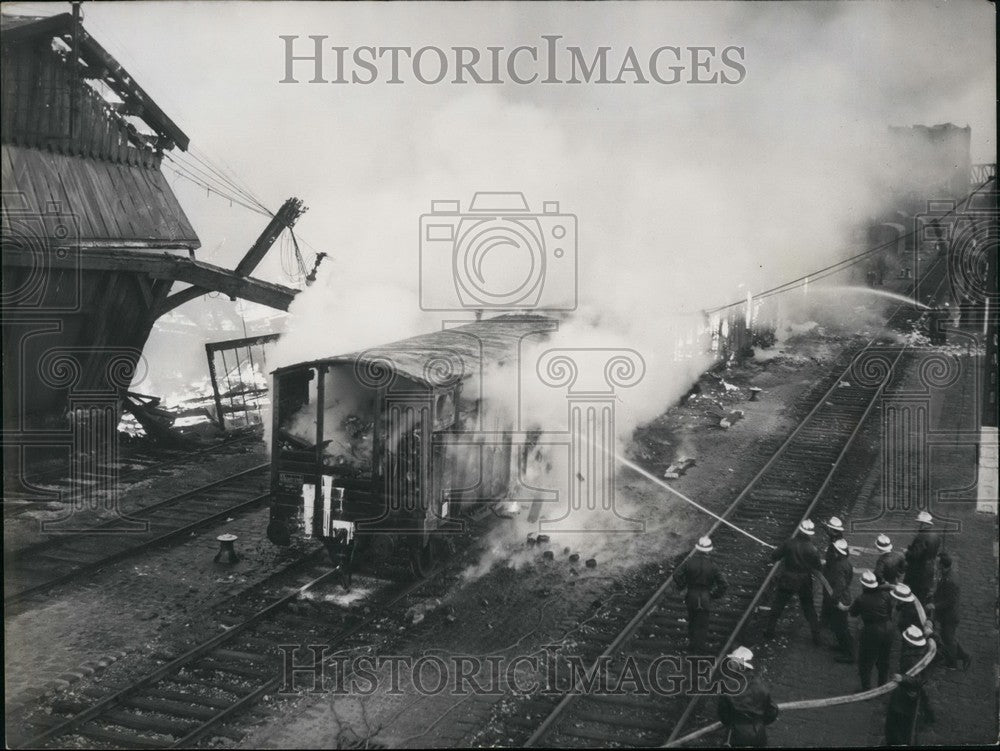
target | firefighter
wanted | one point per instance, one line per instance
(891, 564)
(747, 715)
(699, 575)
(906, 608)
(839, 573)
(908, 700)
(946, 601)
(799, 560)
(874, 607)
(834, 532)
(912, 648)
(920, 558)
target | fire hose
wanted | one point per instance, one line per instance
(833, 700)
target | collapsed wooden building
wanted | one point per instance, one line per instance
(94, 240)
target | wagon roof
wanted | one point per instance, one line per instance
(435, 358)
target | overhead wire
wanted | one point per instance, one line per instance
(846, 263)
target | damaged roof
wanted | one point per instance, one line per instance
(442, 358)
(108, 204)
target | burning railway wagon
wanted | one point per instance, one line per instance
(380, 453)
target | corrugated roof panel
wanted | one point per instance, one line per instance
(114, 204)
(435, 358)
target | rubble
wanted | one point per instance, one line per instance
(421, 610)
(731, 419)
(591, 563)
(678, 468)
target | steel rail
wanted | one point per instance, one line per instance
(629, 630)
(176, 664)
(106, 528)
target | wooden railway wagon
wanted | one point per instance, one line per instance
(380, 453)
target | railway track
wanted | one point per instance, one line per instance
(786, 490)
(37, 568)
(135, 466)
(196, 694)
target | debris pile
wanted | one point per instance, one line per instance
(678, 468)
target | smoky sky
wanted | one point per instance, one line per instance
(683, 192)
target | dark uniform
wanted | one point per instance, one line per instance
(890, 567)
(946, 598)
(701, 578)
(907, 700)
(920, 556)
(799, 559)
(906, 616)
(839, 573)
(747, 715)
(831, 551)
(909, 655)
(874, 607)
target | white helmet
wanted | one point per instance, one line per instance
(742, 657)
(883, 543)
(841, 546)
(915, 636)
(835, 523)
(807, 527)
(868, 580)
(925, 518)
(903, 593)
(704, 545)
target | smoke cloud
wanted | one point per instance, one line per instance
(686, 196)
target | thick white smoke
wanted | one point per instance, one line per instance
(686, 196)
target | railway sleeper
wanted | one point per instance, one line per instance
(183, 709)
(627, 700)
(622, 718)
(214, 683)
(265, 661)
(240, 669)
(163, 725)
(62, 557)
(118, 739)
(601, 734)
(188, 698)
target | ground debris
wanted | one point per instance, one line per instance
(731, 419)
(678, 468)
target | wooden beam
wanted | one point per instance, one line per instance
(179, 298)
(161, 266)
(287, 215)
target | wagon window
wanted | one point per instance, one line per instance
(444, 411)
(348, 423)
(296, 392)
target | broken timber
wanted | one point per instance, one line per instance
(160, 265)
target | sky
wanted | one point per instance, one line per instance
(686, 196)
